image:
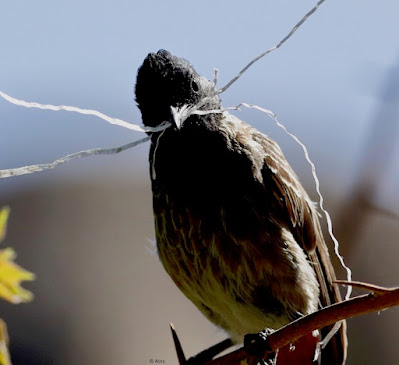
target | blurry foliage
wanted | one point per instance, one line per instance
(11, 276)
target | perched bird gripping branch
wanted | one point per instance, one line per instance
(235, 229)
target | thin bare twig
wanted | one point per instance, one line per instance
(366, 286)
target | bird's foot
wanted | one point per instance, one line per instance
(257, 344)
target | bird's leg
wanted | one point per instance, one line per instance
(257, 344)
(210, 352)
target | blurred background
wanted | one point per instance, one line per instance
(85, 228)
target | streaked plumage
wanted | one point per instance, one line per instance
(235, 229)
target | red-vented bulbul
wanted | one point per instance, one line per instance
(235, 229)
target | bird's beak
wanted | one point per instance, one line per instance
(180, 114)
(177, 115)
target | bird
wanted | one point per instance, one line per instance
(235, 229)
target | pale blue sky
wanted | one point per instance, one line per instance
(324, 83)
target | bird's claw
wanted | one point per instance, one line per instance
(257, 344)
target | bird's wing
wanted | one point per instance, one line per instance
(279, 178)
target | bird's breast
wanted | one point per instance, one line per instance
(233, 271)
(221, 234)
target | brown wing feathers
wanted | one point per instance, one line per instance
(306, 229)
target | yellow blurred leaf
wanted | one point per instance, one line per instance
(4, 354)
(4, 213)
(11, 276)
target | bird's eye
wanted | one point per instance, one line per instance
(194, 86)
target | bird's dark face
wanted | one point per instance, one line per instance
(177, 156)
(165, 81)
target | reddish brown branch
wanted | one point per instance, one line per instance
(380, 298)
(350, 308)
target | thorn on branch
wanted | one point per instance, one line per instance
(178, 347)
